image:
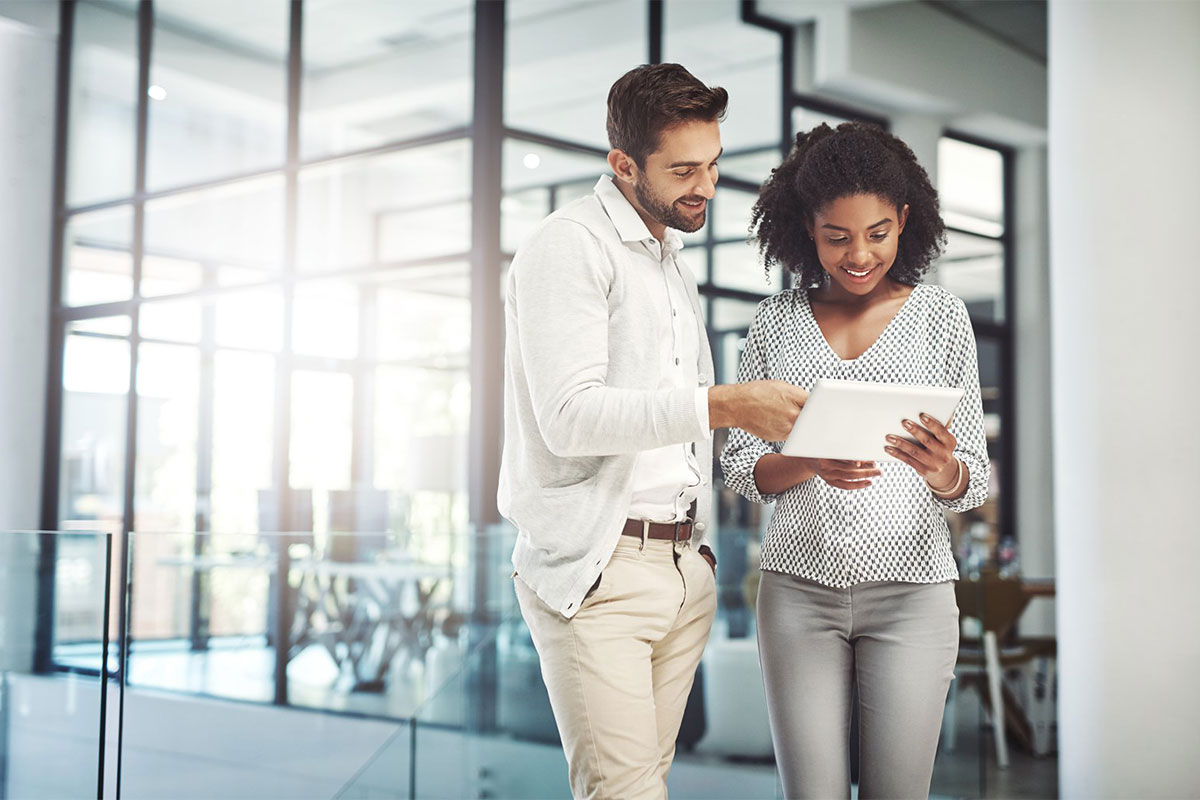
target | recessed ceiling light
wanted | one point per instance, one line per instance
(157, 92)
(532, 160)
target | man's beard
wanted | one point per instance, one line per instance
(668, 213)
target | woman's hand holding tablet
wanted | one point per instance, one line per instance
(931, 455)
(857, 421)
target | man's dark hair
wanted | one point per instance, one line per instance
(651, 98)
(830, 163)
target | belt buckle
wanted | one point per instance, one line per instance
(679, 523)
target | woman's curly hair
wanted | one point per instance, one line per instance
(830, 163)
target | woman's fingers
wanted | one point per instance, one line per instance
(847, 470)
(939, 432)
(916, 456)
(928, 440)
(847, 475)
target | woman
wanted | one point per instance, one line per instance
(857, 583)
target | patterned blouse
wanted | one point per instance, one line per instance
(894, 530)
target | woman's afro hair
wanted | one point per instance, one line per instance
(827, 164)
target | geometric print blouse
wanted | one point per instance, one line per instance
(894, 530)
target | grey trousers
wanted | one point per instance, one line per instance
(897, 641)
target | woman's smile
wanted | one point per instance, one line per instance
(859, 276)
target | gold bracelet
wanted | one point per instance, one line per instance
(954, 487)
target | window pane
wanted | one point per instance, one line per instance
(696, 257)
(731, 213)
(731, 315)
(711, 40)
(401, 206)
(566, 192)
(239, 225)
(217, 91)
(560, 61)
(971, 186)
(168, 386)
(423, 400)
(977, 532)
(92, 470)
(737, 266)
(739, 521)
(425, 318)
(520, 213)
(325, 319)
(729, 323)
(322, 427)
(243, 437)
(754, 167)
(377, 71)
(421, 418)
(251, 319)
(973, 269)
(97, 258)
(166, 275)
(173, 321)
(103, 103)
(537, 177)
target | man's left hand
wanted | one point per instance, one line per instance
(707, 555)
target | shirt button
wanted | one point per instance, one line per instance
(677, 362)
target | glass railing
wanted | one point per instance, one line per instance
(53, 702)
(364, 665)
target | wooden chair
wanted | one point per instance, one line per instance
(997, 603)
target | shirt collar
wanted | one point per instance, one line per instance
(625, 218)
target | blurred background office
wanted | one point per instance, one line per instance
(251, 258)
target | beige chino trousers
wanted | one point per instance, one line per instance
(619, 671)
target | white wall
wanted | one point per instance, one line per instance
(27, 66)
(1125, 283)
(27, 61)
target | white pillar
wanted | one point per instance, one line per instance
(27, 67)
(1125, 303)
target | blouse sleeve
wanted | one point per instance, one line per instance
(743, 450)
(967, 426)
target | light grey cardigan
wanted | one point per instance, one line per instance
(581, 397)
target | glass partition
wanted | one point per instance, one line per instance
(51, 726)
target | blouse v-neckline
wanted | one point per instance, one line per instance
(812, 318)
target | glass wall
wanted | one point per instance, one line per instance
(286, 327)
(972, 185)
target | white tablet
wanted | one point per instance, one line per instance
(849, 419)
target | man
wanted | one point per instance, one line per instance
(609, 408)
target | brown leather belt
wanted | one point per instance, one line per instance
(677, 531)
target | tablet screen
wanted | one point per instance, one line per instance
(850, 419)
